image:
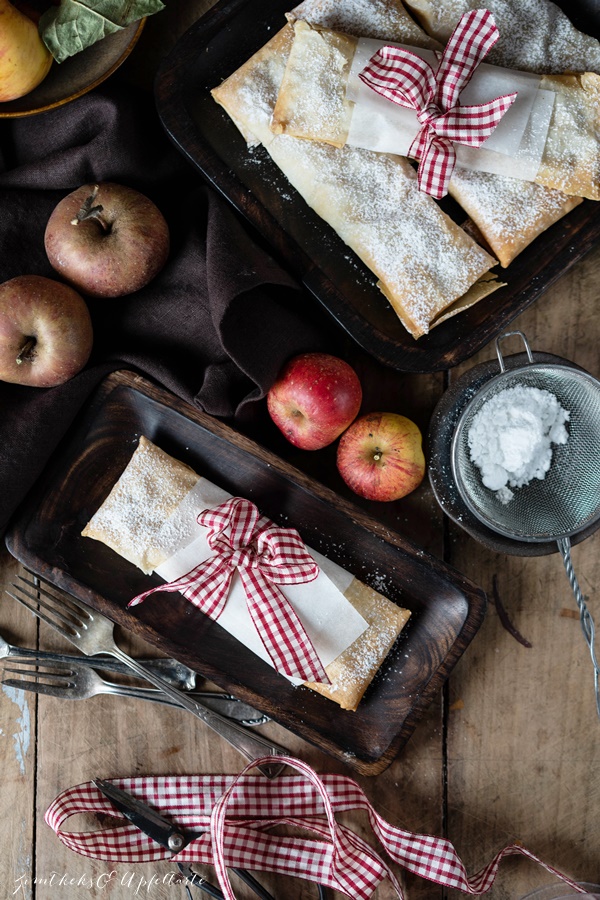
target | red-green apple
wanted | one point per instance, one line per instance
(107, 240)
(380, 456)
(314, 399)
(45, 331)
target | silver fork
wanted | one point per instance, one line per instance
(78, 682)
(174, 671)
(92, 633)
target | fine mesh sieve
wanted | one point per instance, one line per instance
(567, 500)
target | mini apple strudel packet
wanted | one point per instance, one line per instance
(426, 265)
(535, 35)
(549, 135)
(149, 518)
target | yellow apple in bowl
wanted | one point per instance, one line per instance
(24, 58)
(380, 457)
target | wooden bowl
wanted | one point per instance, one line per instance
(76, 75)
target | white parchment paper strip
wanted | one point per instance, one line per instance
(329, 618)
(380, 125)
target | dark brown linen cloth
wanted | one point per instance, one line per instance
(214, 327)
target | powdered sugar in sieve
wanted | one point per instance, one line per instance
(567, 499)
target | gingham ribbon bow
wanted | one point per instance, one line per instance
(238, 813)
(409, 81)
(264, 555)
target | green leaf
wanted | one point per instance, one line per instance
(76, 24)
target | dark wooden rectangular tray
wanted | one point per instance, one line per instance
(446, 608)
(215, 47)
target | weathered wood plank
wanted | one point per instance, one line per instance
(109, 737)
(523, 735)
(18, 727)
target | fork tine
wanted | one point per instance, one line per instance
(51, 590)
(58, 595)
(26, 663)
(71, 625)
(35, 670)
(32, 608)
(34, 687)
(63, 678)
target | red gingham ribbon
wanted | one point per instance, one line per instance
(409, 81)
(237, 813)
(264, 555)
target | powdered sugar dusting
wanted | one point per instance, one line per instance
(355, 668)
(571, 155)
(256, 95)
(312, 99)
(368, 652)
(510, 212)
(375, 18)
(424, 260)
(535, 35)
(136, 508)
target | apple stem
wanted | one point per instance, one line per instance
(89, 211)
(26, 353)
(377, 456)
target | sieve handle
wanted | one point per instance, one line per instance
(585, 617)
(499, 351)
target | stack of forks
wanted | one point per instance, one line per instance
(77, 678)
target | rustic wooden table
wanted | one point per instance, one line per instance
(510, 750)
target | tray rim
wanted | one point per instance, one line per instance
(180, 128)
(473, 596)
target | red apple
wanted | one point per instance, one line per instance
(45, 331)
(107, 240)
(380, 456)
(314, 399)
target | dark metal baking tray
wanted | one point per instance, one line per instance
(215, 47)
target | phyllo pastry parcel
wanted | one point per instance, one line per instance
(508, 212)
(352, 190)
(535, 35)
(426, 265)
(149, 518)
(315, 103)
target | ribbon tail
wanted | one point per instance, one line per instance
(171, 587)
(472, 125)
(280, 630)
(206, 586)
(470, 42)
(437, 161)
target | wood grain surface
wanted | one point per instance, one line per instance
(509, 749)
